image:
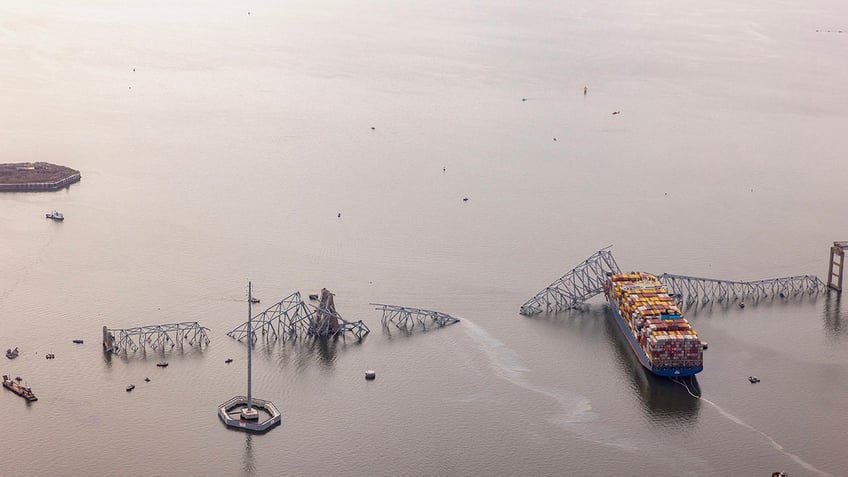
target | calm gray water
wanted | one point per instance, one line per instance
(218, 141)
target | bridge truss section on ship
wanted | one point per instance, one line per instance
(699, 291)
(405, 317)
(575, 287)
(157, 337)
(588, 278)
(292, 318)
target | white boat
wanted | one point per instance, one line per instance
(55, 215)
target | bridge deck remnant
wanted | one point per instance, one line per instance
(405, 317)
(696, 290)
(575, 287)
(291, 318)
(587, 280)
(155, 336)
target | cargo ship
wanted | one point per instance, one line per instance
(22, 391)
(658, 334)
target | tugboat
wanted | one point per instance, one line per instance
(55, 215)
(22, 391)
(12, 353)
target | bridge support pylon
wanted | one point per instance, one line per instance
(837, 262)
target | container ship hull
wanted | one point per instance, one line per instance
(655, 330)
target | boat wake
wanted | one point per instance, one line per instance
(577, 415)
(771, 441)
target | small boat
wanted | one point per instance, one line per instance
(228, 360)
(12, 353)
(253, 299)
(78, 341)
(162, 364)
(370, 374)
(146, 380)
(313, 297)
(753, 379)
(55, 215)
(130, 387)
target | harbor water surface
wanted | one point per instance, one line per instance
(303, 145)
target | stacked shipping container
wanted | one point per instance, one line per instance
(658, 325)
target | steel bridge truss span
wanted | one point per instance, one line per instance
(575, 287)
(694, 290)
(405, 317)
(292, 318)
(156, 336)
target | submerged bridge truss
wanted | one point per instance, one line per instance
(405, 317)
(155, 336)
(587, 280)
(291, 318)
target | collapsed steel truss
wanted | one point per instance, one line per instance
(578, 285)
(155, 336)
(291, 318)
(405, 317)
(694, 290)
(587, 280)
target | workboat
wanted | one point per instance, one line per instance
(55, 215)
(22, 391)
(656, 331)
